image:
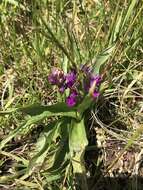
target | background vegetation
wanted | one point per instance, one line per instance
(40, 34)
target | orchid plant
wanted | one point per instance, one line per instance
(61, 146)
(80, 89)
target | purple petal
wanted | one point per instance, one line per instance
(95, 94)
(51, 80)
(96, 78)
(71, 101)
(89, 80)
(70, 79)
(74, 94)
(56, 77)
(62, 89)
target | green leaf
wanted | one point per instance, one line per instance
(129, 12)
(116, 29)
(36, 109)
(53, 176)
(59, 109)
(77, 144)
(61, 155)
(33, 110)
(102, 58)
(77, 138)
(43, 145)
(15, 3)
(85, 104)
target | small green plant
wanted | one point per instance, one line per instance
(83, 89)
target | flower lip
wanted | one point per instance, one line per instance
(72, 98)
(71, 101)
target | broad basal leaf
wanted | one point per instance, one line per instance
(77, 143)
(59, 109)
(43, 145)
(44, 112)
(85, 104)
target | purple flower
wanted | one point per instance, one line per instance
(74, 93)
(95, 94)
(90, 80)
(94, 78)
(71, 99)
(70, 79)
(56, 77)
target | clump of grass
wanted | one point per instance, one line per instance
(38, 35)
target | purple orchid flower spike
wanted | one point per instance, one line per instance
(70, 81)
